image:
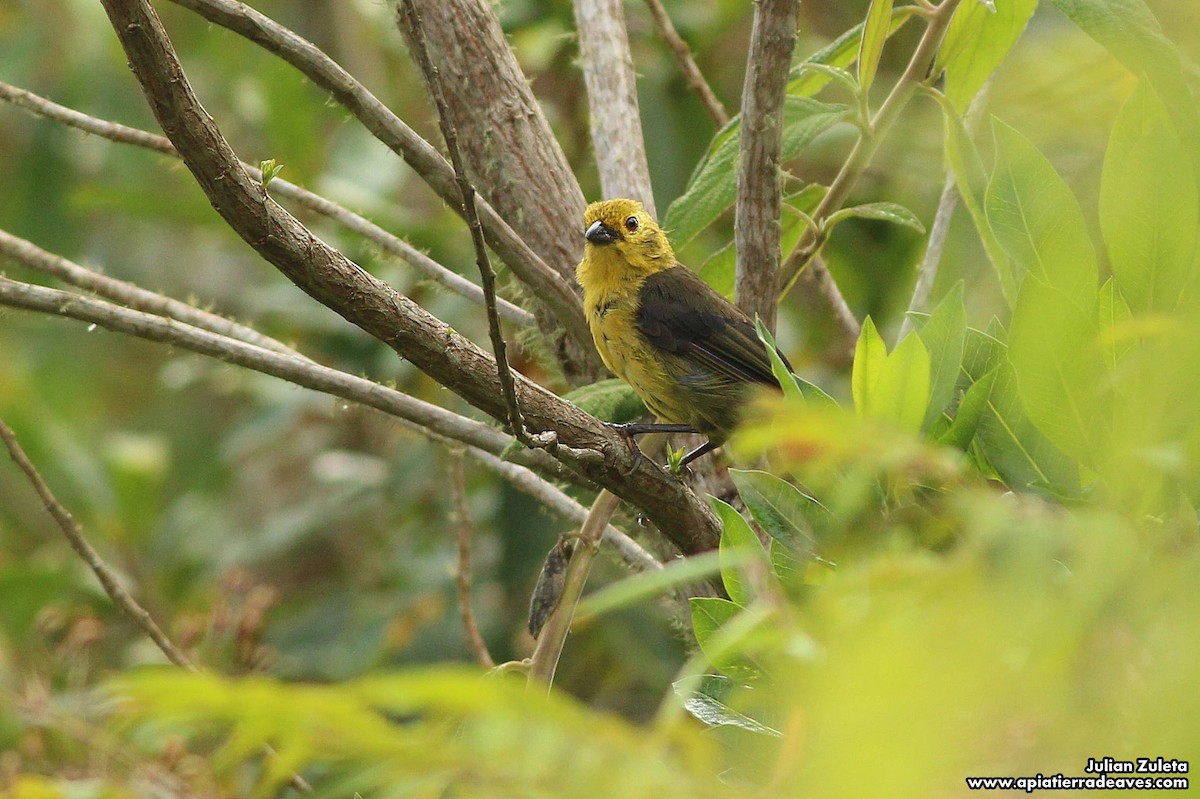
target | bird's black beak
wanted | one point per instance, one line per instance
(600, 233)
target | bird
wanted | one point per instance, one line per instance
(688, 352)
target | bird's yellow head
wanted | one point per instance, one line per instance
(622, 229)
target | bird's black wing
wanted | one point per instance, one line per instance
(682, 315)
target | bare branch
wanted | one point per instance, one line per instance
(583, 442)
(759, 189)
(550, 280)
(544, 661)
(462, 575)
(612, 100)
(74, 534)
(488, 278)
(477, 440)
(687, 64)
(860, 157)
(108, 580)
(34, 257)
(411, 412)
(825, 289)
(394, 245)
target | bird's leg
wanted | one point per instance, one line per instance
(703, 449)
(639, 428)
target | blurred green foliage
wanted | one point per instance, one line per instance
(980, 560)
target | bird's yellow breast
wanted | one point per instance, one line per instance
(610, 300)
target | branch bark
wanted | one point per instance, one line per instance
(616, 123)
(544, 270)
(757, 228)
(510, 154)
(574, 437)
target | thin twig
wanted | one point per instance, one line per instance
(108, 580)
(759, 184)
(487, 277)
(394, 245)
(914, 75)
(462, 575)
(549, 285)
(687, 65)
(546, 654)
(74, 534)
(616, 123)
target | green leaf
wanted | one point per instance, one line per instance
(786, 513)
(1111, 311)
(902, 394)
(1053, 349)
(977, 42)
(870, 354)
(1129, 30)
(1148, 206)
(713, 186)
(887, 212)
(944, 333)
(1013, 446)
(709, 614)
(737, 539)
(962, 158)
(609, 400)
(647, 585)
(840, 53)
(962, 430)
(1037, 219)
(875, 33)
(786, 381)
(982, 352)
(711, 711)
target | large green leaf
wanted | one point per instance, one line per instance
(976, 43)
(713, 186)
(1148, 206)
(737, 540)
(786, 513)
(1020, 454)
(870, 354)
(1129, 30)
(962, 158)
(944, 333)
(1037, 219)
(902, 394)
(1054, 351)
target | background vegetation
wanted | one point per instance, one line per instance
(991, 569)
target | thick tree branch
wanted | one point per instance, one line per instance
(616, 123)
(687, 64)
(583, 442)
(759, 189)
(488, 278)
(860, 157)
(546, 271)
(393, 245)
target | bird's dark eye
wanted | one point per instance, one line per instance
(631, 224)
